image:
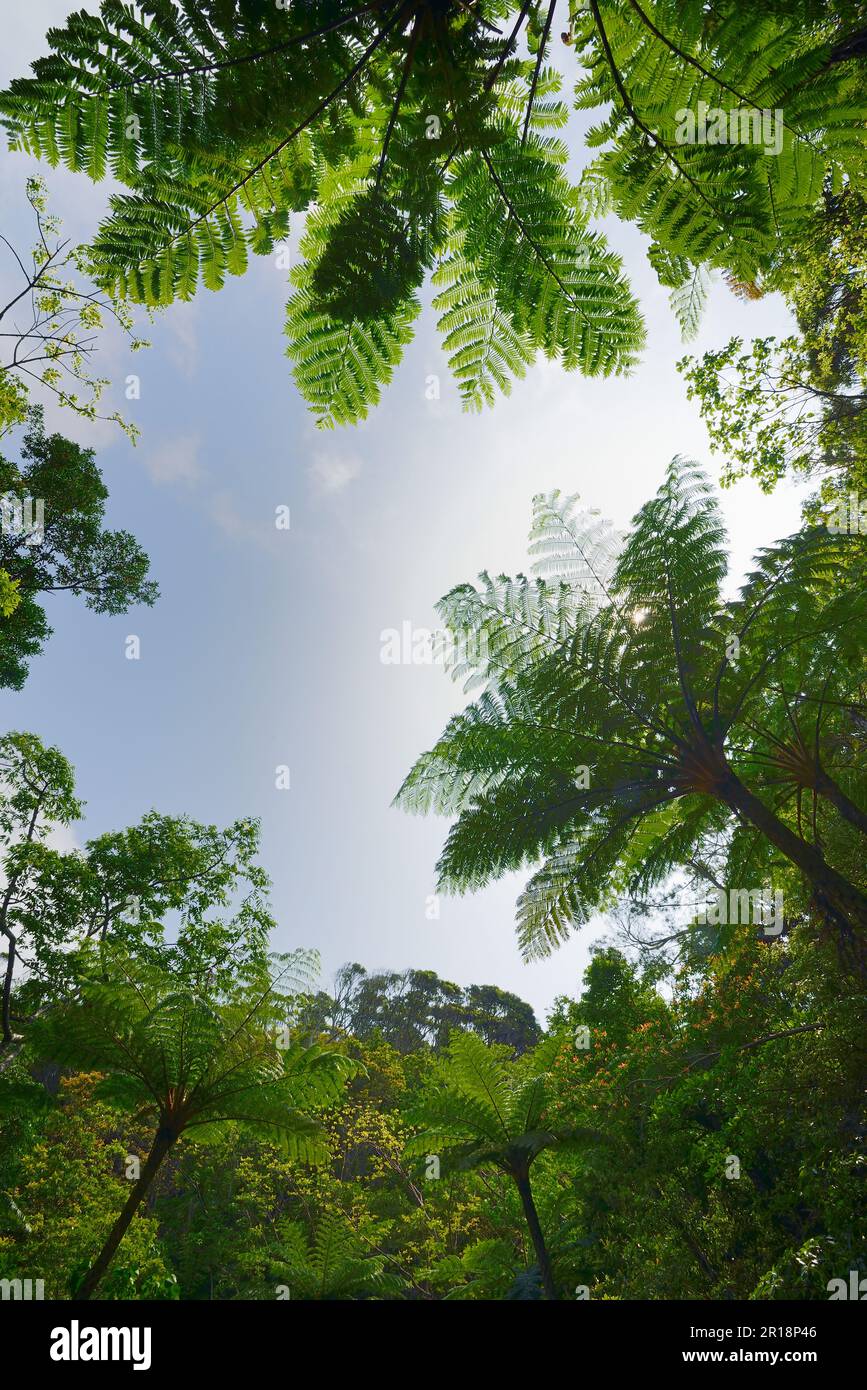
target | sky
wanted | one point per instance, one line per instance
(264, 649)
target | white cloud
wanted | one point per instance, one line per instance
(176, 461)
(331, 472)
(261, 532)
(64, 839)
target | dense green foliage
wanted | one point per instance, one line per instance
(631, 717)
(184, 1114)
(703, 1140)
(52, 540)
(419, 138)
(210, 1127)
(416, 1007)
(796, 406)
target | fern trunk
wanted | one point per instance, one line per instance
(160, 1147)
(833, 792)
(522, 1181)
(845, 904)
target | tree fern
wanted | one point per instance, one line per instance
(335, 1265)
(621, 727)
(191, 1056)
(731, 204)
(221, 121)
(485, 1110)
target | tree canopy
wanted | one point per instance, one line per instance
(630, 714)
(423, 137)
(672, 753)
(52, 540)
(414, 1008)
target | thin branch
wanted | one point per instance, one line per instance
(308, 120)
(221, 64)
(543, 44)
(631, 111)
(410, 53)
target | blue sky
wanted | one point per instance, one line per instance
(264, 648)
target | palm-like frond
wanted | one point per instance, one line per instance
(626, 714)
(721, 203)
(195, 1059)
(486, 1109)
(334, 1265)
(221, 123)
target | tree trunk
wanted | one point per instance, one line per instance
(11, 889)
(853, 46)
(841, 900)
(827, 787)
(7, 990)
(160, 1147)
(695, 1249)
(522, 1181)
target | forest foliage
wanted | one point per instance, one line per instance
(425, 139)
(658, 745)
